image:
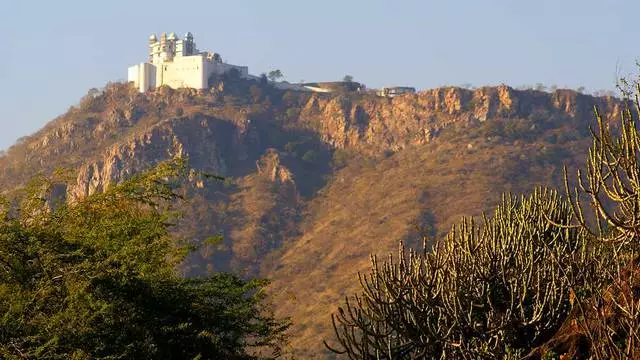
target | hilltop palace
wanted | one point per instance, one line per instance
(178, 64)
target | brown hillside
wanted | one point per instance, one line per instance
(315, 182)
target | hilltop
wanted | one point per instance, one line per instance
(315, 182)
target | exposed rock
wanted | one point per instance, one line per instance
(269, 165)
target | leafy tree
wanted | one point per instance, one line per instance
(347, 78)
(275, 75)
(96, 279)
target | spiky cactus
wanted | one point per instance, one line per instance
(609, 191)
(490, 291)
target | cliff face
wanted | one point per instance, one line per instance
(376, 124)
(194, 138)
(315, 182)
(120, 132)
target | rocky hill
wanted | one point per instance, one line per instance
(314, 182)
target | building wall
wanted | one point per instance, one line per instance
(185, 71)
(149, 80)
(317, 89)
(217, 67)
(143, 76)
(132, 74)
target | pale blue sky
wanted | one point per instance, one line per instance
(52, 52)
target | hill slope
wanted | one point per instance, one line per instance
(315, 182)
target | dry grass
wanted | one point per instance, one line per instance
(371, 205)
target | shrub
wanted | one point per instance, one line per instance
(482, 292)
(310, 156)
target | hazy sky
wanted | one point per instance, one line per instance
(52, 52)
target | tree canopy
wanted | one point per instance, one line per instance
(96, 279)
(275, 75)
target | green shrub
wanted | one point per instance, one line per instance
(310, 156)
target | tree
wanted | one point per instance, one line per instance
(347, 78)
(275, 75)
(96, 279)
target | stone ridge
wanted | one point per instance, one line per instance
(367, 124)
(377, 124)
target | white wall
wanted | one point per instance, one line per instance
(132, 74)
(148, 80)
(143, 76)
(184, 71)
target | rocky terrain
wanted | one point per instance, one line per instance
(314, 183)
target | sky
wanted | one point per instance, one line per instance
(53, 52)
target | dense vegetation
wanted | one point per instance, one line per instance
(545, 276)
(96, 279)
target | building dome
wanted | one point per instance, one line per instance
(153, 38)
(188, 35)
(172, 36)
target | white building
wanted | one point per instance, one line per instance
(396, 91)
(178, 64)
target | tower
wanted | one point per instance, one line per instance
(153, 47)
(171, 46)
(186, 46)
(163, 47)
(189, 46)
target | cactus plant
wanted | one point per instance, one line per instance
(481, 293)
